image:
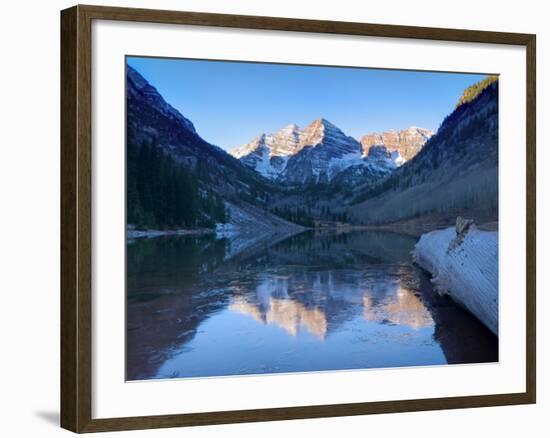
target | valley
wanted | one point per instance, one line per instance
(308, 249)
(313, 176)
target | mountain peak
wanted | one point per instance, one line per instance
(407, 142)
(320, 129)
(321, 121)
(286, 141)
(248, 148)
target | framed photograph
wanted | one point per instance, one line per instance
(269, 218)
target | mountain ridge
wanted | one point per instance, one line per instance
(172, 168)
(456, 172)
(321, 151)
(406, 142)
(313, 174)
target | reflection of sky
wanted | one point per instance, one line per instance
(345, 321)
(312, 302)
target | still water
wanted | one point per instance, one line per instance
(199, 306)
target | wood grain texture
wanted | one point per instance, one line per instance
(467, 272)
(76, 222)
(69, 331)
(299, 25)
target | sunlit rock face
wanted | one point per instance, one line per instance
(268, 153)
(407, 143)
(321, 131)
(283, 143)
(322, 153)
(286, 141)
(315, 154)
(255, 153)
(326, 152)
(464, 153)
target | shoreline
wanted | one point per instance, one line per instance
(137, 234)
(418, 227)
(410, 228)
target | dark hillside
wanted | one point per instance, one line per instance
(175, 178)
(456, 171)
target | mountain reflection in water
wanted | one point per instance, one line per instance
(310, 302)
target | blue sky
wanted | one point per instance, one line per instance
(231, 102)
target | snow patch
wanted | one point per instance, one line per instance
(337, 165)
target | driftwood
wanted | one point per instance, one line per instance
(464, 264)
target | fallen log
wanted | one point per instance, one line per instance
(463, 262)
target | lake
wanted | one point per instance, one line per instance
(198, 306)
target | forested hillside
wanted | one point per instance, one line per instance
(178, 180)
(475, 90)
(162, 193)
(175, 177)
(456, 171)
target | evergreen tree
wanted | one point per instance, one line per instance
(162, 193)
(475, 90)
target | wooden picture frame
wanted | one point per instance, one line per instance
(76, 217)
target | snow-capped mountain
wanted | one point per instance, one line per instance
(268, 153)
(403, 144)
(378, 163)
(325, 152)
(287, 141)
(318, 153)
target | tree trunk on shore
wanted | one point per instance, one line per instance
(464, 264)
